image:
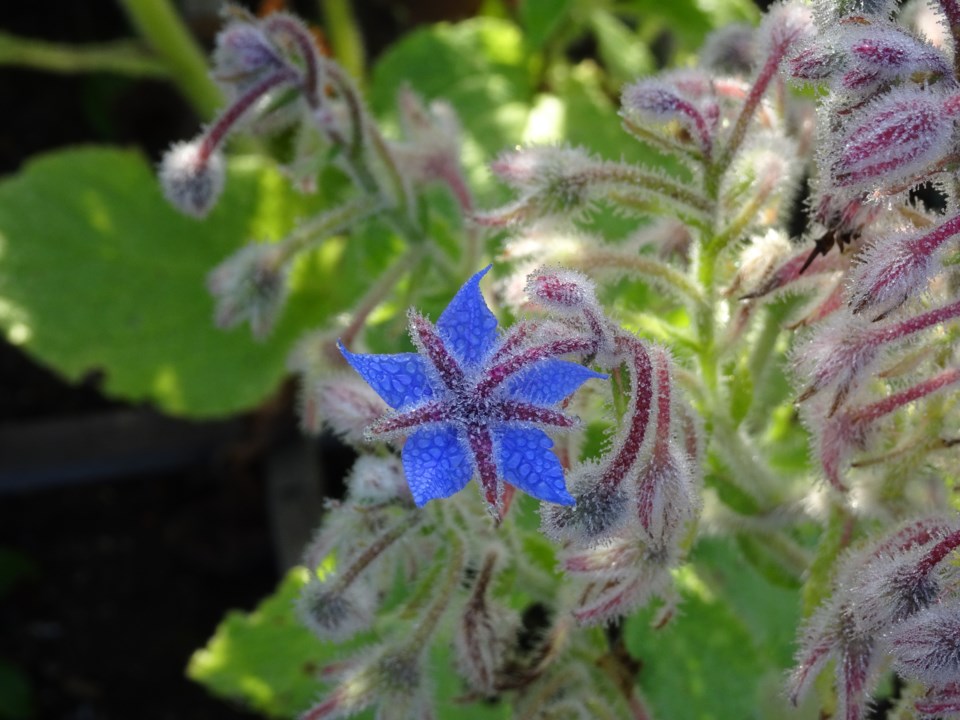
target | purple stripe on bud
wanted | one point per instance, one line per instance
(894, 141)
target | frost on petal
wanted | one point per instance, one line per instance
(468, 328)
(436, 463)
(550, 381)
(525, 461)
(400, 379)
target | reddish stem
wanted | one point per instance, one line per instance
(308, 52)
(218, 132)
(874, 411)
(641, 391)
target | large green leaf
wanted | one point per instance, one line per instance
(480, 67)
(99, 274)
(267, 660)
(731, 641)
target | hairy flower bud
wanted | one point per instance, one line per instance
(392, 678)
(334, 612)
(655, 102)
(376, 479)
(251, 286)
(894, 267)
(343, 403)
(894, 141)
(561, 290)
(243, 54)
(927, 646)
(192, 178)
(863, 58)
(484, 631)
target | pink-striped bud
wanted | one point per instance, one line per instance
(655, 102)
(927, 646)
(894, 141)
(887, 52)
(939, 701)
(484, 632)
(666, 492)
(876, 586)
(814, 63)
(866, 57)
(837, 354)
(647, 577)
(894, 267)
(564, 291)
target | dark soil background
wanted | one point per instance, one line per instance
(113, 573)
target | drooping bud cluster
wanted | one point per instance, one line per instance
(886, 127)
(637, 502)
(895, 598)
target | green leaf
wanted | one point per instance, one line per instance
(541, 18)
(480, 67)
(733, 631)
(266, 658)
(691, 20)
(624, 54)
(99, 274)
(268, 661)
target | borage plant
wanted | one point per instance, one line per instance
(673, 341)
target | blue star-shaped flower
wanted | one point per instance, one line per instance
(473, 402)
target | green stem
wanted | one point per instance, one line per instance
(337, 220)
(646, 267)
(442, 595)
(759, 368)
(158, 23)
(379, 290)
(344, 35)
(123, 57)
(743, 460)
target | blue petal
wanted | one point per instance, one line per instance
(524, 458)
(467, 326)
(400, 379)
(549, 381)
(437, 463)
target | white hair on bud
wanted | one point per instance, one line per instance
(191, 183)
